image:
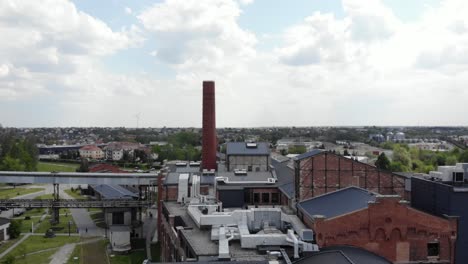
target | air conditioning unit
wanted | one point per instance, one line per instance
(271, 180)
(240, 172)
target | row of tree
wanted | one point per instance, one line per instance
(406, 159)
(17, 154)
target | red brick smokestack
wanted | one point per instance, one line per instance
(209, 126)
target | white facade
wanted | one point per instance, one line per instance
(4, 232)
(94, 153)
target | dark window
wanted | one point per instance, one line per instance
(458, 177)
(118, 218)
(256, 198)
(265, 198)
(249, 168)
(433, 249)
(274, 198)
(257, 169)
(247, 198)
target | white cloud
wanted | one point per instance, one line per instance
(49, 39)
(128, 11)
(366, 67)
(193, 34)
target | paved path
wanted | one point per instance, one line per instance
(149, 228)
(83, 221)
(62, 255)
(14, 246)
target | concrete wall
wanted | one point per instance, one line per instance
(127, 217)
(243, 162)
(327, 172)
(390, 229)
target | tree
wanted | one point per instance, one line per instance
(383, 162)
(401, 155)
(346, 152)
(15, 229)
(10, 259)
(11, 164)
(84, 166)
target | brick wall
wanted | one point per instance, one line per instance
(327, 172)
(389, 228)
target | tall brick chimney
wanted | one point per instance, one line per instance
(209, 126)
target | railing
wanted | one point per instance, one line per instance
(69, 203)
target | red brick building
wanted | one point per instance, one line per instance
(382, 224)
(318, 172)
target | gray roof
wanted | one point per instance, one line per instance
(308, 154)
(284, 173)
(343, 255)
(288, 190)
(4, 221)
(173, 178)
(113, 192)
(240, 148)
(337, 203)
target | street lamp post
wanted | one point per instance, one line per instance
(69, 224)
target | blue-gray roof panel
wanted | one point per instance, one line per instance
(240, 148)
(337, 203)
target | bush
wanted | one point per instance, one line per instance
(15, 229)
(27, 218)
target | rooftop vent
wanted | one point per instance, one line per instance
(240, 172)
(251, 145)
(208, 172)
(194, 164)
(181, 164)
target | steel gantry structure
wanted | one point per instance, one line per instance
(56, 178)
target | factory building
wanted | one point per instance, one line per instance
(318, 172)
(382, 224)
(249, 156)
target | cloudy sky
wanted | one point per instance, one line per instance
(275, 62)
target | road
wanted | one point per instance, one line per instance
(83, 221)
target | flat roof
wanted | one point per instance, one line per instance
(338, 203)
(113, 191)
(240, 148)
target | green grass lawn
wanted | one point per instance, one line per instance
(36, 243)
(61, 227)
(134, 257)
(57, 166)
(39, 258)
(26, 224)
(75, 194)
(13, 192)
(33, 212)
(4, 246)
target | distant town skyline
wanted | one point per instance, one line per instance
(125, 63)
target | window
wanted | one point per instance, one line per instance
(249, 168)
(265, 198)
(458, 177)
(274, 198)
(256, 198)
(433, 249)
(118, 218)
(247, 198)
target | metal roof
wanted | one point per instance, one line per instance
(343, 255)
(288, 190)
(308, 154)
(337, 203)
(79, 178)
(113, 192)
(4, 221)
(240, 148)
